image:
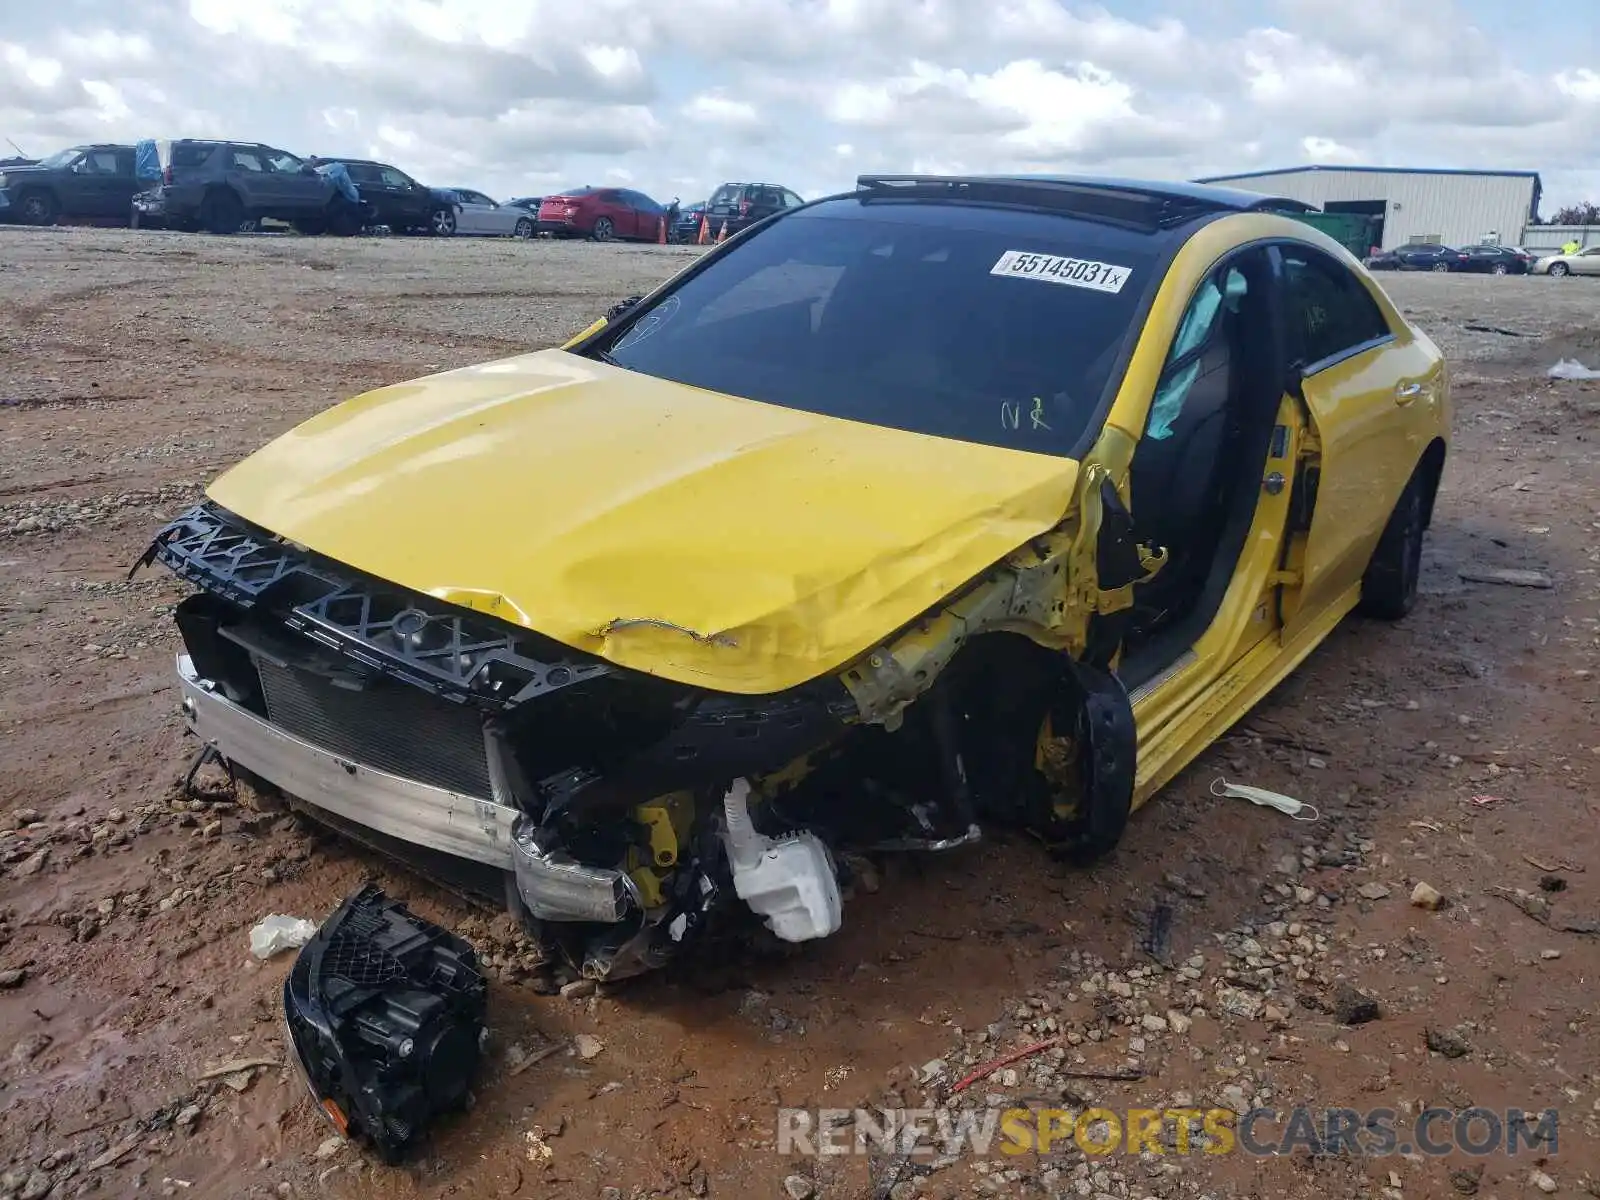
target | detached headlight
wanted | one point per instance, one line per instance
(386, 1017)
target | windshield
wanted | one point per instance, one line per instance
(728, 193)
(61, 158)
(980, 324)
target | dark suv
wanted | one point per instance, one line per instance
(85, 181)
(739, 205)
(218, 186)
(393, 198)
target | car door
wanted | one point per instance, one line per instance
(1586, 262)
(501, 218)
(245, 170)
(408, 200)
(369, 186)
(476, 217)
(93, 186)
(647, 215)
(1368, 386)
(468, 217)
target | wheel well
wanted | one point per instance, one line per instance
(1431, 469)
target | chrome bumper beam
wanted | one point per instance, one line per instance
(466, 826)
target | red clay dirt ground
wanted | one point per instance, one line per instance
(1459, 747)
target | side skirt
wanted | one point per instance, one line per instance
(1228, 700)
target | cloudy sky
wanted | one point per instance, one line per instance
(674, 96)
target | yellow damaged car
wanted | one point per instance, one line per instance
(940, 503)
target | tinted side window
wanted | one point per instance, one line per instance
(1329, 310)
(244, 160)
(395, 178)
(192, 154)
(101, 162)
(362, 173)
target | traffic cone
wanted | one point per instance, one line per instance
(722, 234)
(705, 232)
(661, 232)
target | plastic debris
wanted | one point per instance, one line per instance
(1571, 368)
(1287, 805)
(277, 933)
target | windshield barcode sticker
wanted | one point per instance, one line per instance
(1053, 268)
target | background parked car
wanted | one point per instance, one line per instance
(1584, 262)
(1498, 260)
(687, 226)
(84, 181)
(219, 186)
(1419, 256)
(391, 196)
(740, 205)
(479, 216)
(601, 214)
(528, 203)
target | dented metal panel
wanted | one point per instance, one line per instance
(700, 537)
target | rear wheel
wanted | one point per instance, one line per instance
(524, 228)
(38, 208)
(1389, 588)
(343, 219)
(604, 230)
(221, 212)
(1501, 269)
(442, 222)
(1559, 269)
(1440, 266)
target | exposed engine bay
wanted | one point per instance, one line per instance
(619, 813)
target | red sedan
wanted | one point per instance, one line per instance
(602, 214)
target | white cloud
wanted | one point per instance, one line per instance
(517, 95)
(1326, 150)
(718, 109)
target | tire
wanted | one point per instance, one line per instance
(524, 229)
(1440, 267)
(442, 222)
(604, 230)
(221, 212)
(1560, 269)
(343, 219)
(38, 207)
(1389, 588)
(1501, 269)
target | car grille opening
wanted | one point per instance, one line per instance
(387, 726)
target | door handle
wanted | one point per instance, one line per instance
(1405, 393)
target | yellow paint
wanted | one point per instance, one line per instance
(746, 547)
(700, 537)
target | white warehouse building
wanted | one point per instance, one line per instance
(1454, 207)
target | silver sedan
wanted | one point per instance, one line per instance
(478, 216)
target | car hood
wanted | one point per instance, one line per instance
(700, 537)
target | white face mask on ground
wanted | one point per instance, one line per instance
(1287, 805)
